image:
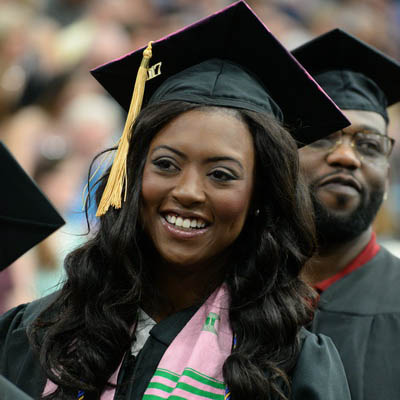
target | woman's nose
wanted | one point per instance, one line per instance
(345, 156)
(189, 189)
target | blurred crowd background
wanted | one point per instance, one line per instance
(54, 117)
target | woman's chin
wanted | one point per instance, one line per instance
(182, 263)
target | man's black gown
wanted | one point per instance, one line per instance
(319, 373)
(361, 313)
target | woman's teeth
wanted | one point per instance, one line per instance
(185, 222)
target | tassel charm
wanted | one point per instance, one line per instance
(117, 181)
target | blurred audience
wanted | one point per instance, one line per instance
(54, 117)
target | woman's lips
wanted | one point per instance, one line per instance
(189, 222)
(180, 232)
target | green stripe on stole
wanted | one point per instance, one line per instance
(207, 380)
(191, 373)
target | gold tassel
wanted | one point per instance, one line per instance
(117, 180)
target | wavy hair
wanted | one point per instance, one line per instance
(85, 332)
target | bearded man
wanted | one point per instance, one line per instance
(347, 172)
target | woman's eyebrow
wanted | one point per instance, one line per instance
(208, 160)
(165, 147)
(224, 158)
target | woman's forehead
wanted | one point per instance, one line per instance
(212, 132)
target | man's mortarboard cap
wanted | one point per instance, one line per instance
(229, 59)
(26, 216)
(354, 74)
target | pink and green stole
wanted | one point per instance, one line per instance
(191, 367)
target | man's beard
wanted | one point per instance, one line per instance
(335, 229)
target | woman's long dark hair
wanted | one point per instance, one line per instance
(83, 335)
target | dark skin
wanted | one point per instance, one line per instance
(341, 198)
(331, 260)
(185, 289)
(196, 193)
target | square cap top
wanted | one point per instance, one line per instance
(26, 216)
(353, 73)
(228, 59)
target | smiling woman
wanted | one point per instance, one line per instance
(190, 287)
(199, 171)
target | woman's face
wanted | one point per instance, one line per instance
(197, 186)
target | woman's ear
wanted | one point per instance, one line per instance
(255, 202)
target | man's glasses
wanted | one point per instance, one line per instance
(369, 146)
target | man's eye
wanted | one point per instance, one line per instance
(321, 144)
(165, 164)
(222, 176)
(369, 147)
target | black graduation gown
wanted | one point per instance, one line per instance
(8, 391)
(361, 313)
(318, 375)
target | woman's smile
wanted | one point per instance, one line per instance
(184, 228)
(197, 185)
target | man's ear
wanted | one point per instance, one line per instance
(387, 182)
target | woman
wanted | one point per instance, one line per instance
(189, 288)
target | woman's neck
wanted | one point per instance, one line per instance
(181, 287)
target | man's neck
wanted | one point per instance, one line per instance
(333, 258)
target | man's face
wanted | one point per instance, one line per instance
(347, 189)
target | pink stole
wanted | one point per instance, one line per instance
(191, 367)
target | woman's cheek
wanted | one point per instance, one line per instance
(151, 185)
(233, 205)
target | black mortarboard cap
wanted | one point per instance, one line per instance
(354, 74)
(26, 216)
(229, 59)
(8, 391)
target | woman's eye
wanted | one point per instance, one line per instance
(222, 176)
(165, 164)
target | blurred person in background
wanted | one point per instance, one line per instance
(348, 174)
(61, 114)
(14, 19)
(48, 257)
